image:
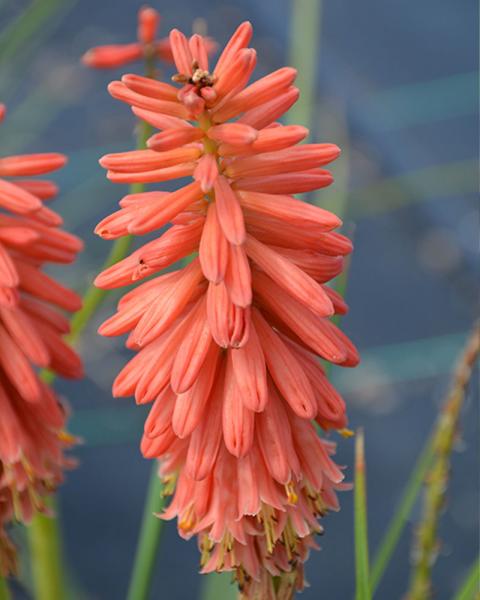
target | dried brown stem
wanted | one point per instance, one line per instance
(426, 540)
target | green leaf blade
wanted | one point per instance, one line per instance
(470, 588)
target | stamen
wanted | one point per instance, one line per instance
(266, 517)
(199, 78)
(169, 483)
(292, 495)
(189, 518)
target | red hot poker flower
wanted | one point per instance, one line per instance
(115, 55)
(32, 435)
(227, 346)
(112, 56)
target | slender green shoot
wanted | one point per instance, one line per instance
(304, 49)
(46, 556)
(470, 588)
(4, 591)
(218, 586)
(149, 540)
(362, 573)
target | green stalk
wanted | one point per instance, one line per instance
(46, 556)
(218, 586)
(304, 51)
(4, 591)
(426, 540)
(44, 531)
(149, 540)
(361, 526)
(471, 584)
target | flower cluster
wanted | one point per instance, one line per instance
(117, 55)
(146, 47)
(32, 435)
(228, 343)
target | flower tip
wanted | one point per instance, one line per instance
(100, 230)
(101, 161)
(88, 58)
(148, 20)
(128, 78)
(336, 150)
(246, 27)
(3, 111)
(98, 281)
(114, 88)
(175, 34)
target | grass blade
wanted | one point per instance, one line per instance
(471, 584)
(362, 574)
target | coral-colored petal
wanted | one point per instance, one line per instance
(238, 277)
(213, 251)
(286, 371)
(229, 212)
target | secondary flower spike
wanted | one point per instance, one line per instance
(32, 324)
(112, 56)
(228, 345)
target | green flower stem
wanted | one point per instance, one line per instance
(218, 586)
(360, 517)
(46, 556)
(44, 532)
(426, 542)
(149, 540)
(305, 36)
(4, 591)
(94, 297)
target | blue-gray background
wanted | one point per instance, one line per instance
(396, 87)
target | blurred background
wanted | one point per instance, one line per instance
(395, 85)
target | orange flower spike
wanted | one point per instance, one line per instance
(228, 346)
(113, 56)
(32, 436)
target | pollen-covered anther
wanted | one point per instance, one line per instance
(206, 546)
(200, 78)
(169, 482)
(290, 539)
(226, 549)
(266, 517)
(188, 520)
(292, 495)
